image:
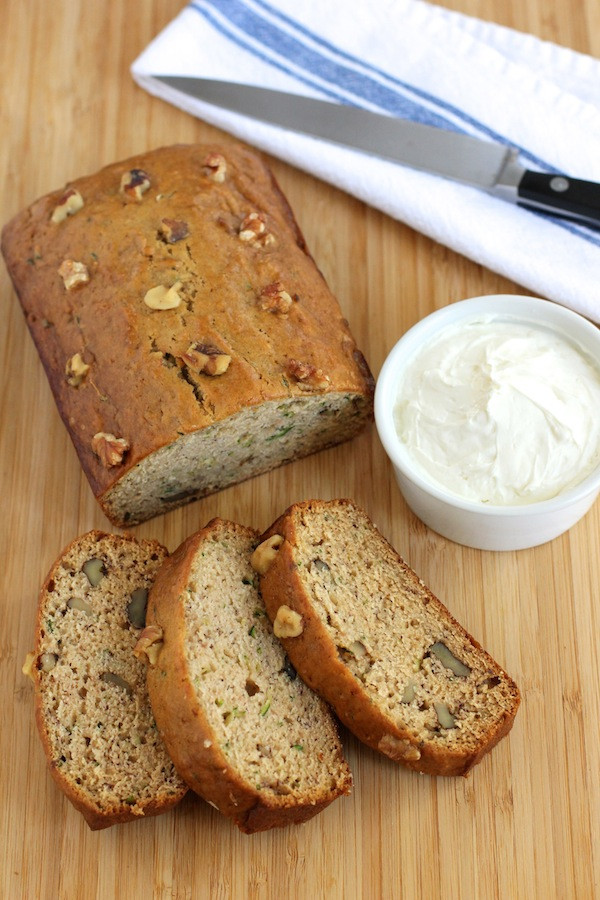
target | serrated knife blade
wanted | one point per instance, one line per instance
(490, 166)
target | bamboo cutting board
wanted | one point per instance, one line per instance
(526, 822)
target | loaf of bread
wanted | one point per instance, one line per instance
(188, 337)
(91, 702)
(366, 634)
(242, 729)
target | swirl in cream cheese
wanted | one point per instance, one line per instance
(501, 412)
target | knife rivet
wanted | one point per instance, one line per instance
(559, 183)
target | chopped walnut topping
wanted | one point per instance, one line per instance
(206, 359)
(74, 274)
(274, 299)
(253, 229)
(149, 644)
(134, 183)
(161, 297)
(307, 376)
(399, 749)
(287, 623)
(215, 167)
(76, 370)
(109, 449)
(265, 554)
(173, 230)
(70, 203)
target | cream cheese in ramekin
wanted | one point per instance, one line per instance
(501, 412)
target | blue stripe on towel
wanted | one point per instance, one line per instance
(450, 112)
(278, 47)
(295, 50)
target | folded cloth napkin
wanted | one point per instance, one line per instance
(419, 61)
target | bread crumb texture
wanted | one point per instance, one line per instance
(271, 728)
(94, 713)
(415, 663)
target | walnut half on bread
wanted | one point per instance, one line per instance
(213, 348)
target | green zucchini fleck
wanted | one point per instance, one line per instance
(279, 434)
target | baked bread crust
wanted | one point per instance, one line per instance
(63, 723)
(323, 663)
(256, 342)
(182, 712)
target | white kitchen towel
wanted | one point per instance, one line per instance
(413, 59)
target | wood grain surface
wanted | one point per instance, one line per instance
(526, 822)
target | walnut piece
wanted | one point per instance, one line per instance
(94, 571)
(136, 608)
(109, 449)
(134, 183)
(288, 623)
(173, 230)
(275, 299)
(254, 230)
(161, 297)
(409, 692)
(264, 555)
(215, 167)
(28, 665)
(307, 376)
(149, 644)
(47, 661)
(444, 716)
(74, 274)
(113, 678)
(70, 203)
(80, 604)
(76, 370)
(449, 660)
(398, 748)
(206, 359)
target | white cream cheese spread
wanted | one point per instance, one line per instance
(500, 412)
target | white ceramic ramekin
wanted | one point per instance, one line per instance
(471, 523)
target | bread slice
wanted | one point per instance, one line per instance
(243, 730)
(91, 702)
(365, 633)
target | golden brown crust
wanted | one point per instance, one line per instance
(95, 817)
(315, 656)
(182, 721)
(138, 387)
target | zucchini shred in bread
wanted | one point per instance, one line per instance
(188, 337)
(244, 731)
(91, 702)
(366, 634)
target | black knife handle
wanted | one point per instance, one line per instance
(565, 196)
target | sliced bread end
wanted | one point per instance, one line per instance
(92, 708)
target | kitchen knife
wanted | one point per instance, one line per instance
(489, 166)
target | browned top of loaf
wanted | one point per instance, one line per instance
(135, 353)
